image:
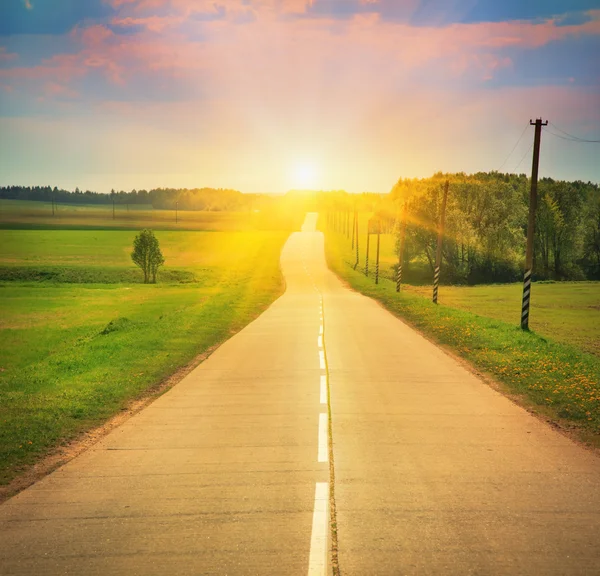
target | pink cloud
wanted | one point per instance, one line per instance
(92, 35)
(6, 56)
(64, 67)
(53, 90)
(151, 23)
(275, 58)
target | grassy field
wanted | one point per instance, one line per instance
(19, 214)
(567, 312)
(81, 335)
(551, 371)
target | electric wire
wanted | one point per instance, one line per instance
(514, 148)
(524, 155)
(567, 136)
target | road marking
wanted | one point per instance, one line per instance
(321, 360)
(320, 342)
(323, 437)
(317, 562)
(321, 330)
(323, 389)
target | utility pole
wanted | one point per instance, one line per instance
(347, 223)
(353, 229)
(401, 255)
(367, 256)
(377, 257)
(531, 224)
(356, 262)
(438, 256)
(113, 199)
(176, 208)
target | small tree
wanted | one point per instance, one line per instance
(147, 255)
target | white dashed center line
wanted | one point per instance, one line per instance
(317, 562)
(323, 447)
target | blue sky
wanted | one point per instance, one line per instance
(126, 94)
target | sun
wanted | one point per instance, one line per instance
(304, 175)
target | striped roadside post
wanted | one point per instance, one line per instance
(526, 300)
(436, 283)
(367, 256)
(401, 255)
(378, 223)
(438, 257)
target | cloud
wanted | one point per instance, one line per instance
(6, 56)
(178, 50)
(56, 90)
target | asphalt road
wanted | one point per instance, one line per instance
(228, 472)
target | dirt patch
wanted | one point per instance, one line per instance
(66, 452)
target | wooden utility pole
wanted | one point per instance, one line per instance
(176, 208)
(438, 256)
(531, 224)
(353, 229)
(357, 255)
(378, 222)
(401, 255)
(113, 199)
(368, 242)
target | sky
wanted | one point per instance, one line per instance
(272, 95)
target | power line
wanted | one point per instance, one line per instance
(524, 155)
(567, 136)
(514, 148)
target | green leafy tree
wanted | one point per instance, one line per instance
(147, 255)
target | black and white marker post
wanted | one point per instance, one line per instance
(438, 256)
(401, 255)
(531, 223)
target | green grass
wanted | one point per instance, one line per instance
(75, 353)
(567, 312)
(22, 214)
(561, 380)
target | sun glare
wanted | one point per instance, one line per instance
(304, 175)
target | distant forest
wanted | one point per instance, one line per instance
(212, 199)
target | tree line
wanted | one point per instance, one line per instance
(486, 226)
(212, 199)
